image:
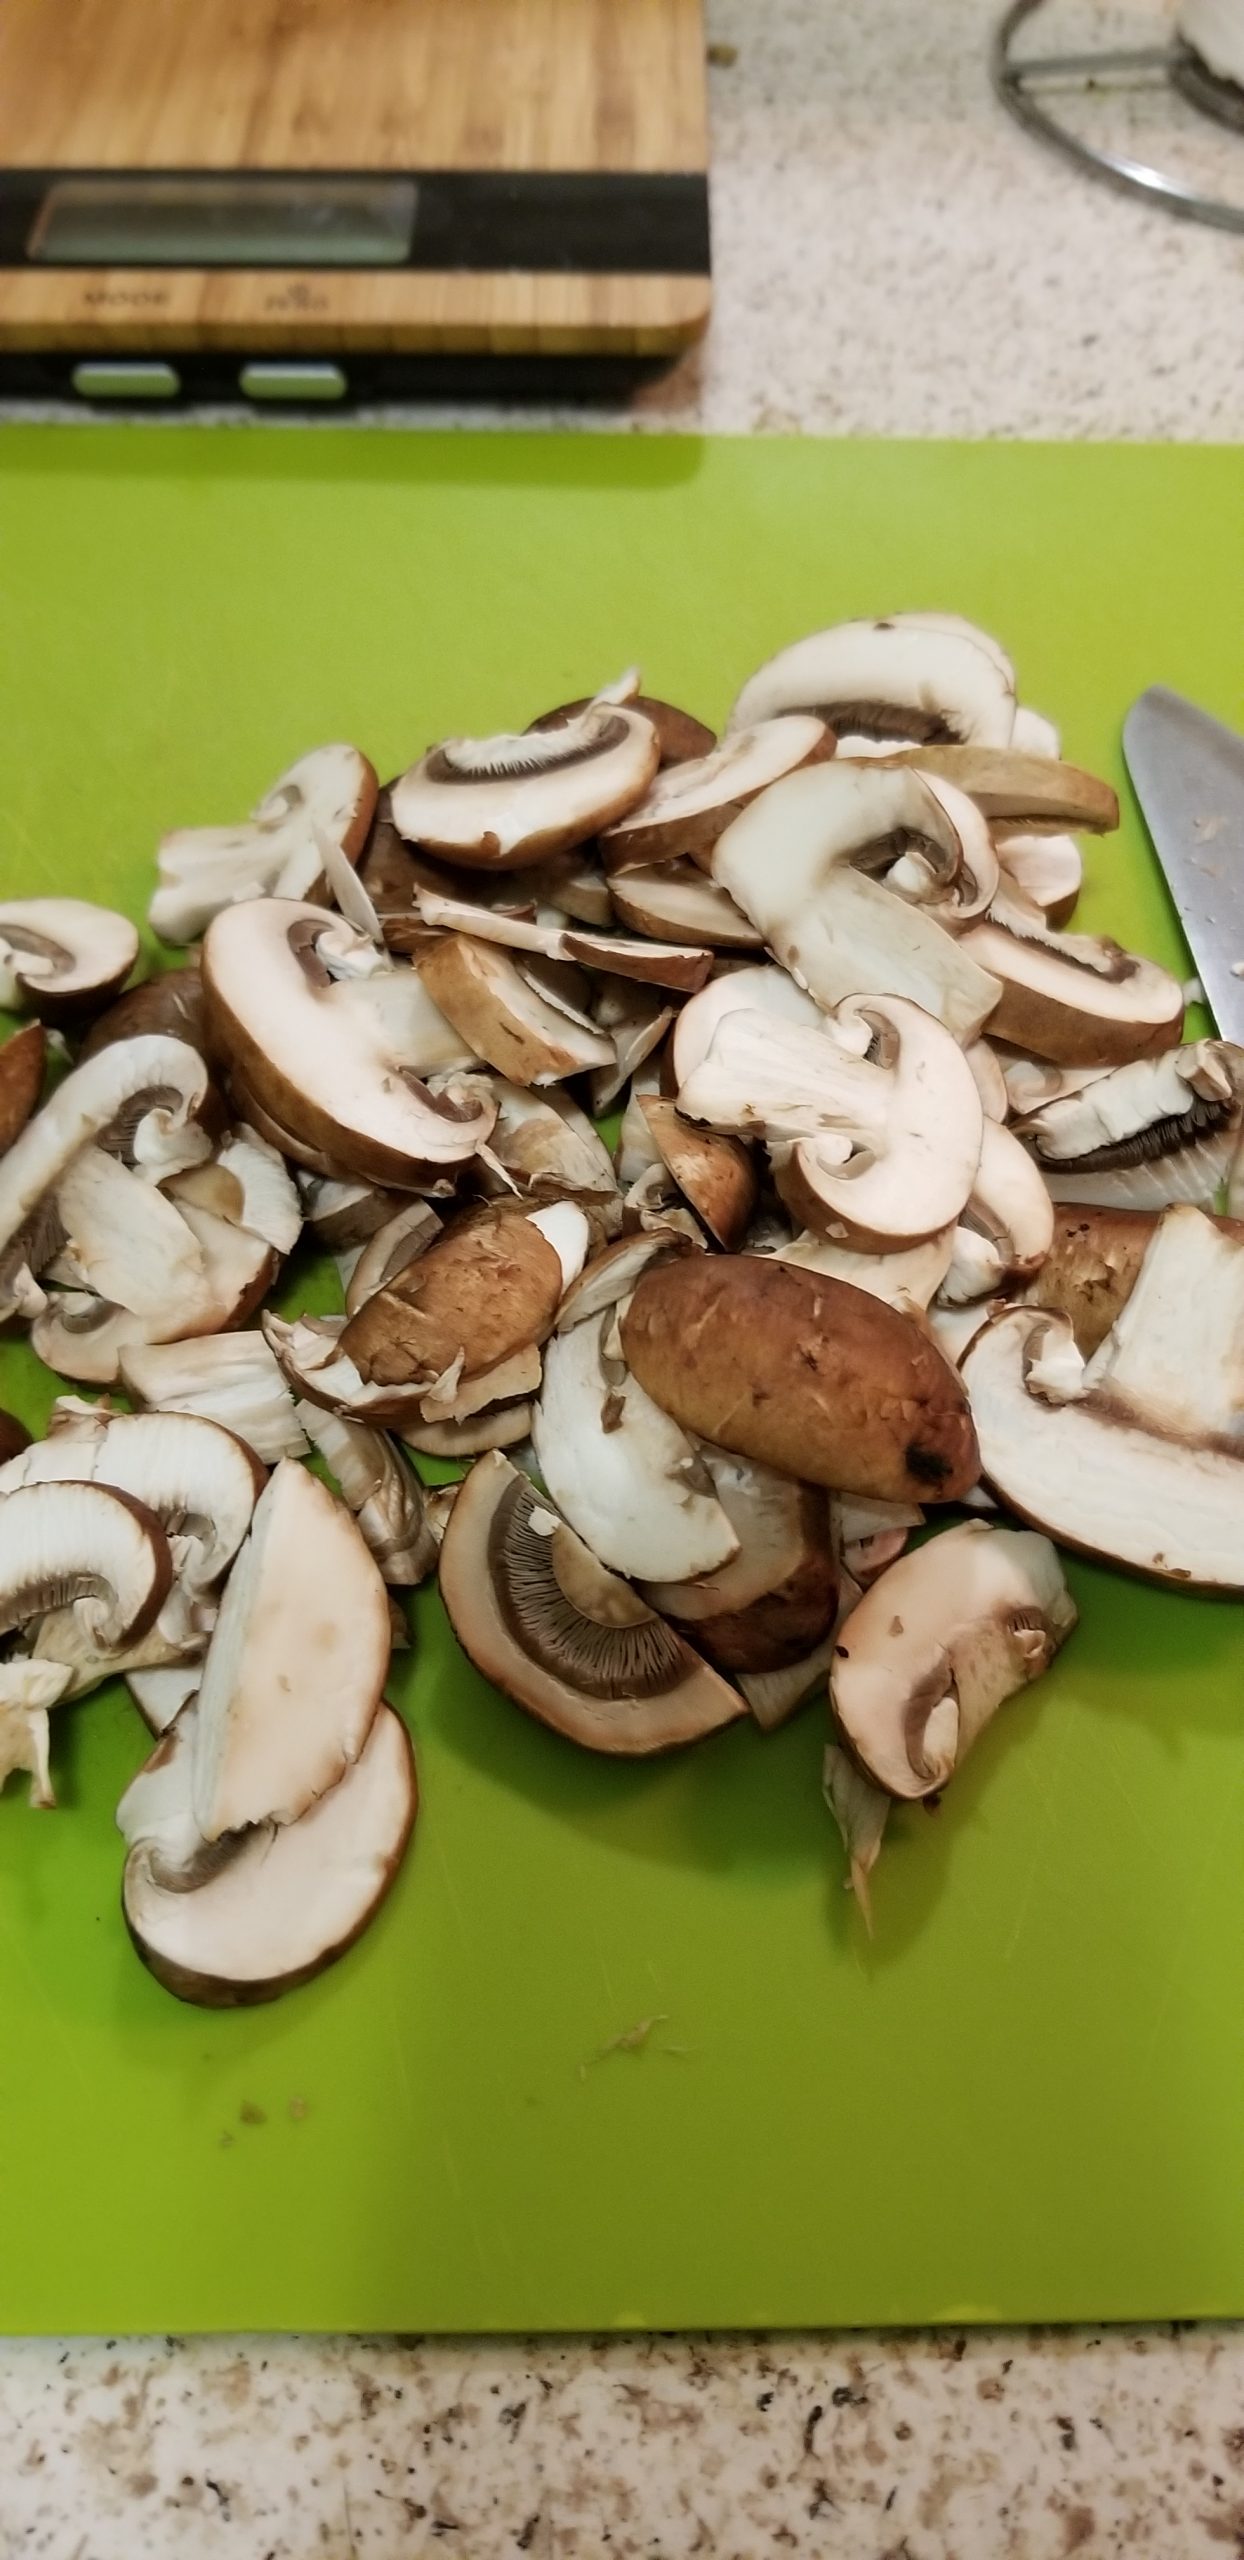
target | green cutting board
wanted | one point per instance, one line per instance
(1024, 2100)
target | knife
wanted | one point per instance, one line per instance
(1188, 775)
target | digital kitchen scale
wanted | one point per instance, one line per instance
(324, 199)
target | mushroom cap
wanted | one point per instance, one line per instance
(487, 1288)
(804, 1373)
(542, 1619)
(22, 1060)
(337, 1061)
(1091, 1267)
(1015, 788)
(171, 1004)
(61, 956)
(151, 1088)
(83, 1546)
(297, 1661)
(901, 678)
(504, 801)
(714, 1173)
(687, 805)
(506, 1018)
(278, 1906)
(619, 1469)
(763, 989)
(1089, 1476)
(932, 1650)
(1074, 998)
(776, 1599)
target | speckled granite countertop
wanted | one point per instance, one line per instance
(893, 257)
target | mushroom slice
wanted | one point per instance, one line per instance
(61, 956)
(1073, 997)
(506, 1019)
(680, 736)
(198, 1481)
(383, 1493)
(139, 1098)
(84, 1548)
(344, 1215)
(686, 807)
(636, 1019)
(989, 1079)
(861, 1812)
(1192, 1264)
(932, 1651)
(901, 679)
(490, 1287)
(1145, 1135)
(776, 1599)
(1008, 1224)
(775, 1696)
(802, 1372)
(678, 899)
(908, 1278)
(273, 1908)
(86, 1337)
(714, 1173)
(171, 1005)
(619, 1470)
(499, 802)
(1083, 1471)
(390, 1250)
(665, 964)
(21, 1080)
(246, 1183)
(123, 1239)
(329, 796)
(793, 861)
(612, 1274)
(749, 990)
(296, 1665)
(27, 1690)
(1048, 870)
(875, 1119)
(872, 1535)
(543, 1147)
(504, 1426)
(539, 1616)
(1019, 790)
(160, 1694)
(339, 1062)
(229, 1378)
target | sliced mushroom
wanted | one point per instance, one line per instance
(714, 1173)
(86, 1336)
(171, 1004)
(1008, 1224)
(1145, 1135)
(329, 796)
(160, 1694)
(665, 964)
(612, 1274)
(989, 1079)
(499, 802)
(539, 1615)
(391, 1250)
(296, 1665)
(687, 806)
(932, 1651)
(802, 1372)
(775, 1696)
(872, 1535)
(678, 899)
(247, 1184)
(635, 1018)
(27, 1690)
(747, 990)
(1074, 997)
(776, 1599)
(619, 1470)
(273, 1908)
(85, 1548)
(22, 1060)
(902, 679)
(232, 1379)
(60, 957)
(543, 1147)
(505, 1018)
(140, 1098)
(503, 1426)
(1193, 1265)
(338, 1061)
(875, 1119)
(1017, 789)
(487, 1289)
(197, 1480)
(1080, 1469)
(383, 1493)
(908, 1278)
(345, 1215)
(1046, 869)
(680, 736)
(791, 861)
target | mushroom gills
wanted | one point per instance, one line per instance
(1146, 1135)
(539, 1615)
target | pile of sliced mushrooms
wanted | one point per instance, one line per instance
(912, 1191)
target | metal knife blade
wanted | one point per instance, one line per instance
(1188, 773)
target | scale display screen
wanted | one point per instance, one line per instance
(226, 221)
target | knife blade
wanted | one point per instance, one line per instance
(1188, 774)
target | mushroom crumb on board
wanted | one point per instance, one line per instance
(912, 1188)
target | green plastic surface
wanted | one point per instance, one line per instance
(1026, 2098)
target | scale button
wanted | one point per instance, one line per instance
(111, 378)
(293, 381)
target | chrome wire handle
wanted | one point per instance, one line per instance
(1018, 83)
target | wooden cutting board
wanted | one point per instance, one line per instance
(556, 151)
(1025, 2098)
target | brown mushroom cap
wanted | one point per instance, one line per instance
(486, 1290)
(61, 957)
(172, 1004)
(803, 1372)
(1091, 1268)
(714, 1173)
(22, 1061)
(680, 736)
(14, 1437)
